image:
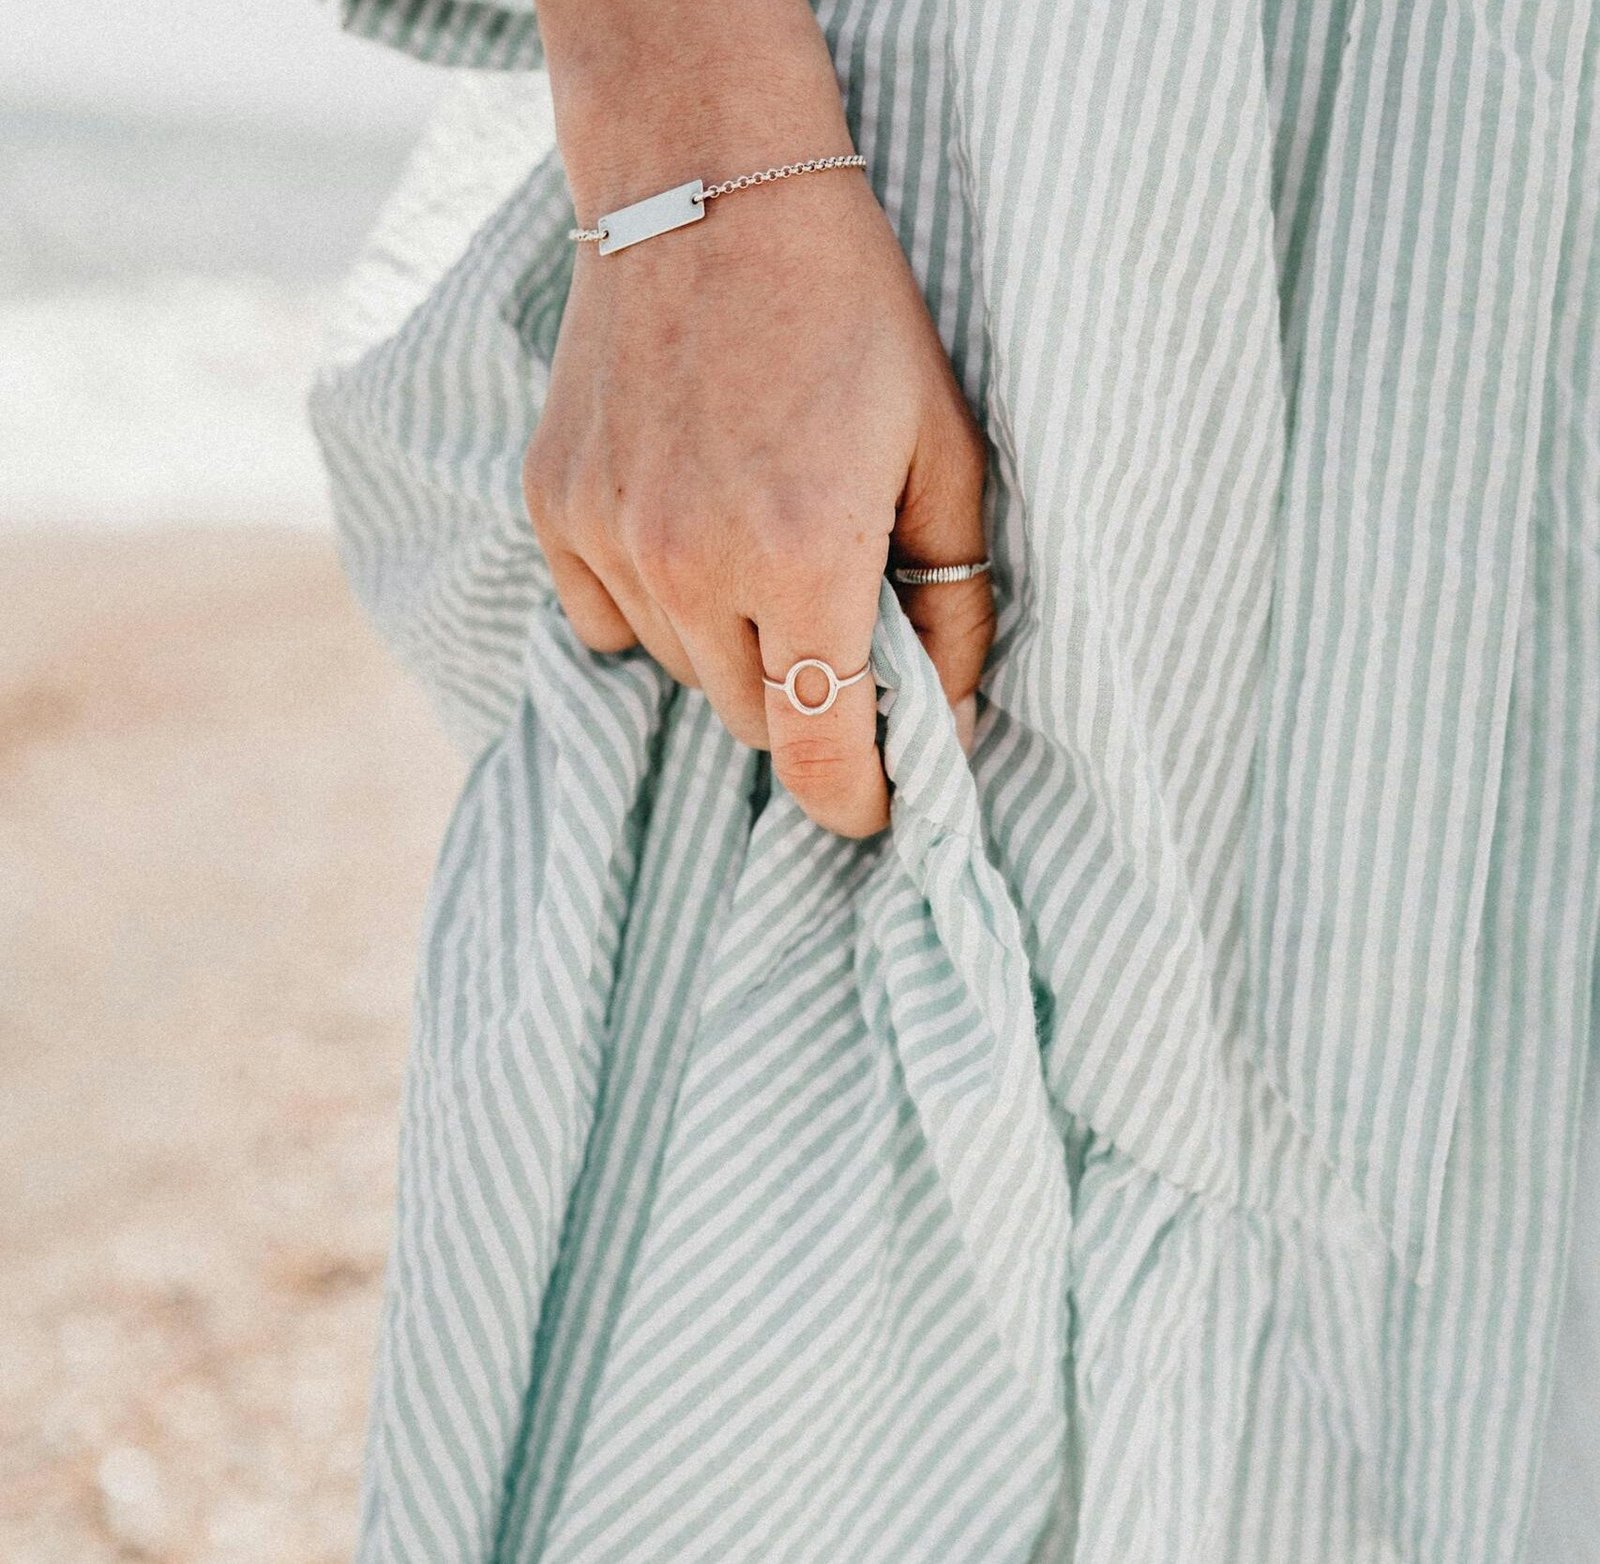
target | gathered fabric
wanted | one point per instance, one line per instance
(1159, 1144)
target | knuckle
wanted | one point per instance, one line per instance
(972, 617)
(661, 554)
(960, 645)
(965, 475)
(794, 586)
(817, 768)
(539, 496)
(788, 549)
(959, 461)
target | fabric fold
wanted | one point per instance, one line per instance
(1425, 286)
(477, 34)
(520, 951)
(947, 971)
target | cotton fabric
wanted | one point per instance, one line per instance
(1159, 1145)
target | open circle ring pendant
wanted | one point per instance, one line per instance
(835, 684)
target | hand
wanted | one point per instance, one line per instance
(745, 419)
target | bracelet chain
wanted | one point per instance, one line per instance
(745, 182)
(810, 166)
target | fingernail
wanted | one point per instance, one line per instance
(966, 715)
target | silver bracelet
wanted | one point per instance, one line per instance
(659, 214)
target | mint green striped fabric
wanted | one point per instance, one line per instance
(1159, 1145)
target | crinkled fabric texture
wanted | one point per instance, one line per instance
(1158, 1145)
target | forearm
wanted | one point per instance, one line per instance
(651, 92)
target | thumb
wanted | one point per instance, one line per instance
(940, 522)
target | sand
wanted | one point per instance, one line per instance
(219, 803)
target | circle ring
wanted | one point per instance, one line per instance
(835, 684)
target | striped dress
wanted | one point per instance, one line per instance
(1160, 1144)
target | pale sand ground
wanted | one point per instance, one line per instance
(219, 802)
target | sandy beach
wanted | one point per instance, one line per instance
(219, 803)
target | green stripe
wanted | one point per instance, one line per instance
(1160, 1145)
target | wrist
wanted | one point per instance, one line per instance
(651, 94)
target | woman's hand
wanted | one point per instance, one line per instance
(746, 418)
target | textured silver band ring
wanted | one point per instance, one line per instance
(835, 684)
(938, 575)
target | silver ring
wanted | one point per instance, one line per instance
(835, 684)
(938, 575)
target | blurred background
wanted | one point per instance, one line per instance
(219, 799)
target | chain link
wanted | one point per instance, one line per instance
(813, 165)
(810, 166)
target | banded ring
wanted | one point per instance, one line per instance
(938, 575)
(835, 684)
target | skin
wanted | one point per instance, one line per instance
(750, 417)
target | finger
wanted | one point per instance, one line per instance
(727, 658)
(941, 523)
(829, 761)
(649, 623)
(599, 623)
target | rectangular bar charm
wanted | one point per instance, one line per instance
(657, 214)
